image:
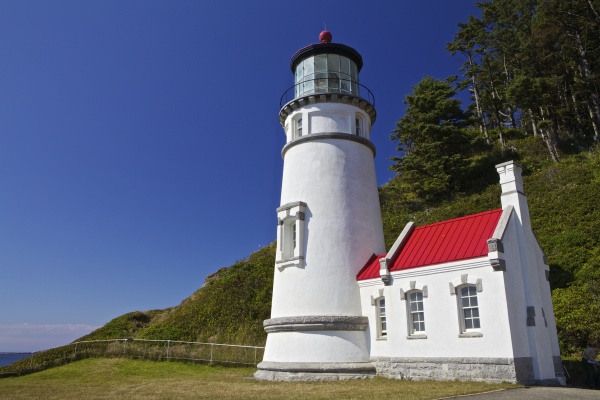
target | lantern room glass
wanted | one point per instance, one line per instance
(326, 73)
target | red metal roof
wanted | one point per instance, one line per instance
(371, 268)
(452, 240)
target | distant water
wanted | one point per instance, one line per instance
(9, 358)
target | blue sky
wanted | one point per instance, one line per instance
(140, 142)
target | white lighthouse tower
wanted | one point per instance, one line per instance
(329, 221)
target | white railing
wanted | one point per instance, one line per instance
(159, 350)
(174, 350)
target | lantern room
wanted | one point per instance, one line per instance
(326, 72)
(326, 68)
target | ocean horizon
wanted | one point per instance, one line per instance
(7, 358)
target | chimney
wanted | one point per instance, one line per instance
(513, 194)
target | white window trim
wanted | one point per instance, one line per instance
(464, 332)
(409, 316)
(405, 290)
(375, 302)
(381, 332)
(298, 126)
(456, 285)
(290, 216)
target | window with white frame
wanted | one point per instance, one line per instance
(298, 131)
(290, 242)
(416, 313)
(289, 238)
(358, 126)
(381, 318)
(469, 308)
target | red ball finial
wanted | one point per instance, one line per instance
(325, 36)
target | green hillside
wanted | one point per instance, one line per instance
(563, 199)
(228, 308)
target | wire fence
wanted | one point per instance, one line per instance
(157, 350)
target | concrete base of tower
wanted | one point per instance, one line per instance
(319, 371)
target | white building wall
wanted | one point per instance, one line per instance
(442, 322)
(528, 265)
(515, 291)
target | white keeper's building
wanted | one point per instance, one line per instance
(465, 299)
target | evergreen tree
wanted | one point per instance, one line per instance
(433, 140)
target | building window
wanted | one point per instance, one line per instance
(469, 308)
(290, 242)
(381, 318)
(357, 126)
(299, 127)
(294, 236)
(416, 312)
(289, 238)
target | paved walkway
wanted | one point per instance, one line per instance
(537, 393)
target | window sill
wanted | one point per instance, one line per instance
(470, 335)
(289, 262)
(382, 338)
(415, 337)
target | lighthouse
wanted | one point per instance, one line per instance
(328, 222)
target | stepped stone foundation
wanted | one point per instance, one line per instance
(301, 371)
(464, 369)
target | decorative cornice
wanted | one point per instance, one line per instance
(316, 323)
(498, 264)
(289, 206)
(328, 135)
(314, 98)
(454, 266)
(495, 244)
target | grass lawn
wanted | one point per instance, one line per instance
(132, 379)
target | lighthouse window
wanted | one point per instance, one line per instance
(299, 127)
(289, 239)
(345, 77)
(325, 73)
(290, 235)
(309, 75)
(294, 236)
(358, 127)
